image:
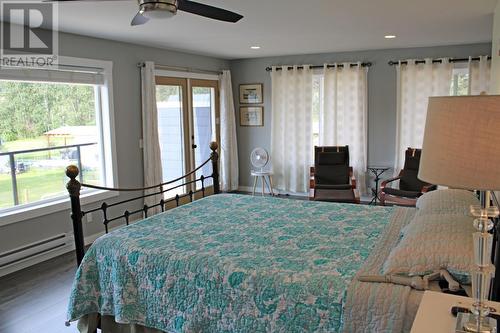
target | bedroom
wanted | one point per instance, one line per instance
(106, 54)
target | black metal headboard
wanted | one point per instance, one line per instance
(77, 214)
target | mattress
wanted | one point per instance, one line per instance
(382, 307)
(231, 263)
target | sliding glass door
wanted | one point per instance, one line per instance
(188, 120)
(204, 121)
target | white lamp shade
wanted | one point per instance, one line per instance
(461, 146)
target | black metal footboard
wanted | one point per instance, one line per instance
(189, 180)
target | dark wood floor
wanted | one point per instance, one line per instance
(34, 300)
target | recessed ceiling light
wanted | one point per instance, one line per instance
(255, 47)
(389, 36)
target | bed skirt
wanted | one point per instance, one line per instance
(89, 324)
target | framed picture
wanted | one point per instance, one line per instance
(251, 116)
(251, 93)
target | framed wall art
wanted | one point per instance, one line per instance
(251, 93)
(251, 116)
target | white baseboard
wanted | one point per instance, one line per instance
(249, 189)
(33, 260)
(276, 191)
(245, 189)
(36, 259)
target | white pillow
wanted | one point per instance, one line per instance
(431, 242)
(447, 201)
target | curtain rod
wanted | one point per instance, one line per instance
(364, 64)
(182, 69)
(435, 61)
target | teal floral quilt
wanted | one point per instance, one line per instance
(230, 263)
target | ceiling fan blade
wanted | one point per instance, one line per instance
(139, 19)
(208, 11)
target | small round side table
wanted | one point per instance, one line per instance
(266, 178)
(377, 172)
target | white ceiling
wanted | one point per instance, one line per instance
(283, 27)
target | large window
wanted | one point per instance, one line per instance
(459, 80)
(48, 120)
(317, 100)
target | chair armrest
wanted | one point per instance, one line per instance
(428, 188)
(353, 182)
(387, 181)
(312, 180)
(352, 178)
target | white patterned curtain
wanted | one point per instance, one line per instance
(416, 83)
(291, 133)
(228, 144)
(150, 140)
(343, 117)
(479, 75)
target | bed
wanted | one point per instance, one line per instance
(236, 263)
(230, 263)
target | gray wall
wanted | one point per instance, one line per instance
(381, 95)
(127, 103)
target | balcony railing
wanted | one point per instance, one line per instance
(14, 167)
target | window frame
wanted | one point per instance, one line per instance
(459, 68)
(106, 124)
(319, 76)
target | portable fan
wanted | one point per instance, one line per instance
(259, 158)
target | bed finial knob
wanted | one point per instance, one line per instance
(72, 171)
(73, 186)
(214, 156)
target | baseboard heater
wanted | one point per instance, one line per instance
(35, 249)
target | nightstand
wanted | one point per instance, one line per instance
(434, 313)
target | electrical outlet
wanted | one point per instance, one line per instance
(90, 218)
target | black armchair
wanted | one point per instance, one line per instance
(410, 187)
(332, 177)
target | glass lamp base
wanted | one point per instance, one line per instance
(466, 322)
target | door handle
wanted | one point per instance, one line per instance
(194, 146)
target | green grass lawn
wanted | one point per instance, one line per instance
(33, 185)
(33, 143)
(38, 184)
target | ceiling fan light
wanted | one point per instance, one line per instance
(157, 10)
(157, 14)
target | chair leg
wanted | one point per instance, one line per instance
(254, 184)
(267, 184)
(271, 184)
(262, 180)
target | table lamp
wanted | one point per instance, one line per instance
(461, 150)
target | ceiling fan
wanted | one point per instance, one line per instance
(153, 9)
